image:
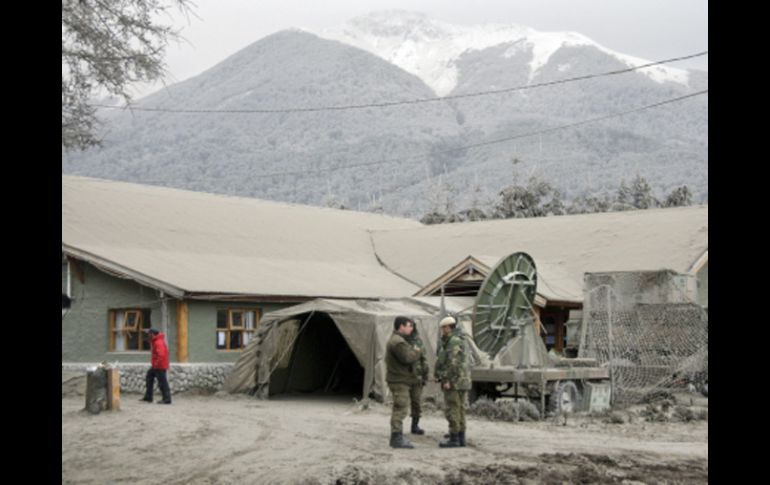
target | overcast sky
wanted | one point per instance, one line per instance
(650, 29)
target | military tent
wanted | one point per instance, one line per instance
(328, 345)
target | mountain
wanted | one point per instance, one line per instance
(430, 49)
(399, 153)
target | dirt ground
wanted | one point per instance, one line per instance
(236, 439)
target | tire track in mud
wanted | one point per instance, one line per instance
(212, 465)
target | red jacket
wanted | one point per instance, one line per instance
(159, 351)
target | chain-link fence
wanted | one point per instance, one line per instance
(647, 328)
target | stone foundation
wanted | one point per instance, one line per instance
(181, 377)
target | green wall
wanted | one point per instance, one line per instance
(202, 325)
(703, 286)
(85, 327)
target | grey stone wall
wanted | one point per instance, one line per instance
(181, 377)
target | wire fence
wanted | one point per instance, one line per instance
(649, 330)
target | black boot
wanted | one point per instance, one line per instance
(397, 440)
(452, 442)
(415, 426)
(461, 438)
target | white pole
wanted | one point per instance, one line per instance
(164, 314)
(69, 280)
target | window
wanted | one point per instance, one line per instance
(554, 329)
(126, 327)
(235, 327)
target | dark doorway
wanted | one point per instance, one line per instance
(321, 362)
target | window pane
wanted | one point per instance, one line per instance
(246, 338)
(132, 341)
(131, 319)
(235, 340)
(237, 319)
(221, 318)
(221, 340)
(249, 320)
(120, 344)
(146, 322)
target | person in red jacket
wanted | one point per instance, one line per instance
(159, 367)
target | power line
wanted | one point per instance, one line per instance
(491, 142)
(407, 102)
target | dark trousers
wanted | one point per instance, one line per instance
(160, 374)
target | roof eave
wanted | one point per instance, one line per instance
(146, 280)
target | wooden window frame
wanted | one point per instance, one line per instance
(231, 328)
(143, 343)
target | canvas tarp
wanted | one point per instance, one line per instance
(365, 326)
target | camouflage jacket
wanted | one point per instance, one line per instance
(452, 363)
(421, 368)
(400, 358)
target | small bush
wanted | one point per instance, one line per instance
(502, 410)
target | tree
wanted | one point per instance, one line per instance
(537, 199)
(678, 197)
(641, 194)
(105, 46)
(441, 202)
(475, 212)
(589, 204)
(623, 197)
(636, 196)
(433, 217)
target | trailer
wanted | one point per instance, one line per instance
(509, 357)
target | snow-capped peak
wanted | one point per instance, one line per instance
(430, 48)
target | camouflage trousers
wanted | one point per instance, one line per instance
(400, 406)
(415, 397)
(454, 402)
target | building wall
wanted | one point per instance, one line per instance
(202, 326)
(85, 326)
(64, 277)
(703, 286)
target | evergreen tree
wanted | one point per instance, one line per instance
(623, 198)
(538, 198)
(636, 196)
(641, 194)
(678, 197)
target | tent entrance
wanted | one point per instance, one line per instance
(321, 362)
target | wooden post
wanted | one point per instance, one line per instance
(181, 331)
(113, 389)
(112, 330)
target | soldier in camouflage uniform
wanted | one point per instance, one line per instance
(453, 372)
(422, 372)
(400, 359)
